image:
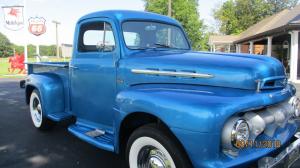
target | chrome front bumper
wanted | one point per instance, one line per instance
(285, 158)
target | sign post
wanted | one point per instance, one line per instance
(56, 30)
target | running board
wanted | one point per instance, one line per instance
(97, 137)
(95, 133)
(59, 116)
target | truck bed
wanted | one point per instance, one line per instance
(61, 69)
(44, 67)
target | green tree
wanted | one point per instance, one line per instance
(18, 49)
(31, 50)
(236, 16)
(47, 50)
(279, 5)
(5, 46)
(185, 11)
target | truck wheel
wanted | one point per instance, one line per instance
(150, 147)
(36, 112)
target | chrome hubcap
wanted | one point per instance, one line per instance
(37, 109)
(151, 157)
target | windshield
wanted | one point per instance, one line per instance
(144, 35)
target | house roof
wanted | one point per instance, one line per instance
(283, 21)
(222, 39)
(280, 20)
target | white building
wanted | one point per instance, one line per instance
(66, 50)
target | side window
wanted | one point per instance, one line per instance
(96, 36)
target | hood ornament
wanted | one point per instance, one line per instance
(171, 73)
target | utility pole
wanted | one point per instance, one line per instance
(56, 29)
(170, 8)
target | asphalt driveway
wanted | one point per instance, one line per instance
(21, 145)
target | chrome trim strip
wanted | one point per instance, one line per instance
(170, 73)
(47, 64)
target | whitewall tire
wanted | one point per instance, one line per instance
(36, 112)
(147, 152)
(150, 147)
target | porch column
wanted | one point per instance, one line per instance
(269, 47)
(228, 48)
(251, 46)
(238, 48)
(214, 48)
(294, 55)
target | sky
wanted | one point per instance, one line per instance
(67, 12)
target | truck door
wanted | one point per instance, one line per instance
(93, 72)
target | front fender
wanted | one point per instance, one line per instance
(195, 114)
(51, 91)
(173, 108)
(195, 108)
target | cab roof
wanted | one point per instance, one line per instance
(123, 15)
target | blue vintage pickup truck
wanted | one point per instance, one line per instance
(135, 87)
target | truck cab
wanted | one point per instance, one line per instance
(135, 86)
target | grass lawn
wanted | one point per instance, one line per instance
(4, 67)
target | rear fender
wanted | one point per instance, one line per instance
(51, 90)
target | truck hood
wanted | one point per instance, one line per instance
(241, 71)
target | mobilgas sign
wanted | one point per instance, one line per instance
(13, 17)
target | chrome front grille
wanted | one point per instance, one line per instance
(265, 121)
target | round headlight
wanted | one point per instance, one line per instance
(240, 133)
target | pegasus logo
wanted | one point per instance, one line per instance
(14, 12)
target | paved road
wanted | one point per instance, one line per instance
(21, 145)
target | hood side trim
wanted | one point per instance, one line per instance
(171, 73)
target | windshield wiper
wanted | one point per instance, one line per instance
(143, 48)
(162, 45)
(152, 47)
